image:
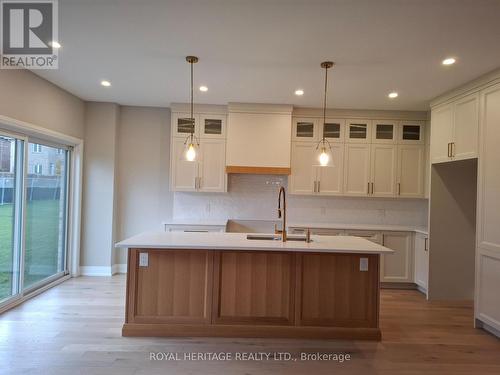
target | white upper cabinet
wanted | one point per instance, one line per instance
(182, 126)
(357, 170)
(313, 129)
(211, 174)
(466, 127)
(303, 175)
(212, 126)
(308, 177)
(305, 129)
(384, 131)
(410, 171)
(454, 130)
(383, 170)
(183, 173)
(358, 131)
(441, 133)
(411, 132)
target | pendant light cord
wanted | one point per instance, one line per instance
(192, 118)
(324, 101)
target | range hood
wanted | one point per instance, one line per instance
(259, 138)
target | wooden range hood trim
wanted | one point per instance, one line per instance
(258, 170)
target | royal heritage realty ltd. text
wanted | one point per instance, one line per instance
(249, 356)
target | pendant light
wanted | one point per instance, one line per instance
(323, 147)
(192, 142)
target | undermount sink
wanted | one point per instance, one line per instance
(273, 237)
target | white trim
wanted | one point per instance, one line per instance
(95, 271)
(119, 268)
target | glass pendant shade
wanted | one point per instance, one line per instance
(190, 153)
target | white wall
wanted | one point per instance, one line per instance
(255, 197)
(25, 96)
(143, 196)
(98, 206)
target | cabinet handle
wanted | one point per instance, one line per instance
(372, 188)
(399, 188)
(452, 149)
(319, 186)
(315, 184)
(426, 248)
(449, 152)
(199, 182)
(368, 189)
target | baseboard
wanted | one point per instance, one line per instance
(487, 328)
(95, 271)
(119, 268)
(393, 285)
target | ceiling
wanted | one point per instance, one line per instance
(262, 50)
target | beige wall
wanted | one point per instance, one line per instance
(25, 96)
(99, 168)
(143, 196)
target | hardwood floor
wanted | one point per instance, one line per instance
(75, 328)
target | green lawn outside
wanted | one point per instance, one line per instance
(42, 236)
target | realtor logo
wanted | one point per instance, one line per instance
(28, 31)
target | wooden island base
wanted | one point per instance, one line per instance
(240, 293)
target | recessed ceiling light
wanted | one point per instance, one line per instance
(299, 92)
(55, 44)
(393, 95)
(105, 83)
(204, 88)
(449, 61)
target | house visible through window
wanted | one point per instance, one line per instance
(37, 148)
(52, 168)
(37, 169)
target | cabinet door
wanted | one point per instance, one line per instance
(331, 178)
(212, 174)
(466, 127)
(357, 169)
(421, 260)
(410, 173)
(212, 126)
(398, 266)
(303, 175)
(384, 131)
(183, 173)
(441, 133)
(383, 170)
(332, 129)
(358, 131)
(411, 132)
(182, 126)
(305, 129)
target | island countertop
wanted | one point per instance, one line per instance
(239, 241)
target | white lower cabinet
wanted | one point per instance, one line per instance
(421, 260)
(207, 174)
(398, 266)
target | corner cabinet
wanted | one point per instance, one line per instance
(206, 174)
(454, 130)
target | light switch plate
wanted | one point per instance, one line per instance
(143, 259)
(363, 264)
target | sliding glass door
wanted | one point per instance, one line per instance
(33, 214)
(11, 182)
(46, 212)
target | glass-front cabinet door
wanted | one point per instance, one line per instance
(212, 126)
(305, 129)
(358, 131)
(183, 125)
(411, 132)
(332, 129)
(384, 131)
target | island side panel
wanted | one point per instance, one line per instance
(254, 287)
(332, 291)
(175, 287)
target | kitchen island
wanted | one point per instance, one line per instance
(223, 284)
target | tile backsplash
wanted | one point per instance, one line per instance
(256, 197)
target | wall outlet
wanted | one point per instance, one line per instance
(363, 264)
(143, 259)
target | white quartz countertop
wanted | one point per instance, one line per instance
(376, 227)
(238, 241)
